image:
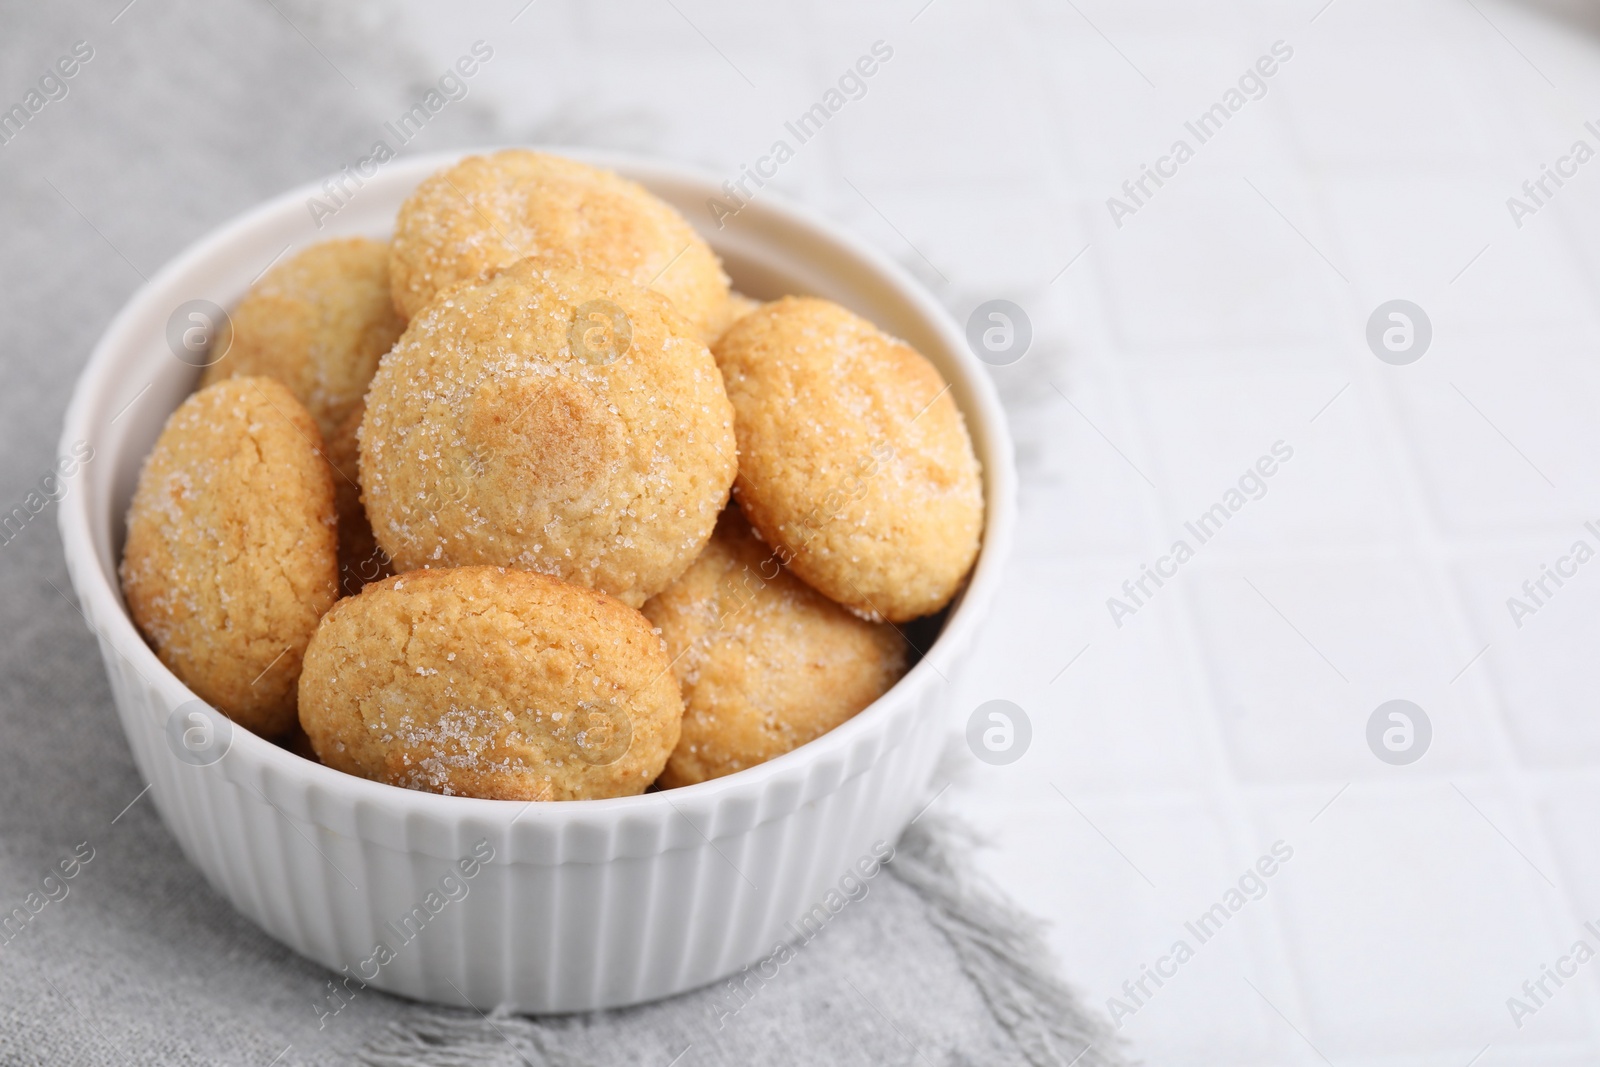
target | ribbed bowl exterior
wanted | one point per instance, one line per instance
(544, 907)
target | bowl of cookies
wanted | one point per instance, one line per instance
(527, 580)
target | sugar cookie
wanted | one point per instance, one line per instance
(230, 555)
(318, 323)
(490, 682)
(855, 464)
(765, 662)
(554, 419)
(490, 211)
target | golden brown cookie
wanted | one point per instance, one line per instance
(855, 464)
(360, 559)
(230, 557)
(765, 662)
(490, 211)
(318, 323)
(490, 682)
(555, 419)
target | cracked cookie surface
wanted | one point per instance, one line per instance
(490, 682)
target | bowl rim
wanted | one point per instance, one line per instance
(253, 754)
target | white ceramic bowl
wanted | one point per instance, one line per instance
(585, 904)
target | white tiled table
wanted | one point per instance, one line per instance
(1226, 315)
